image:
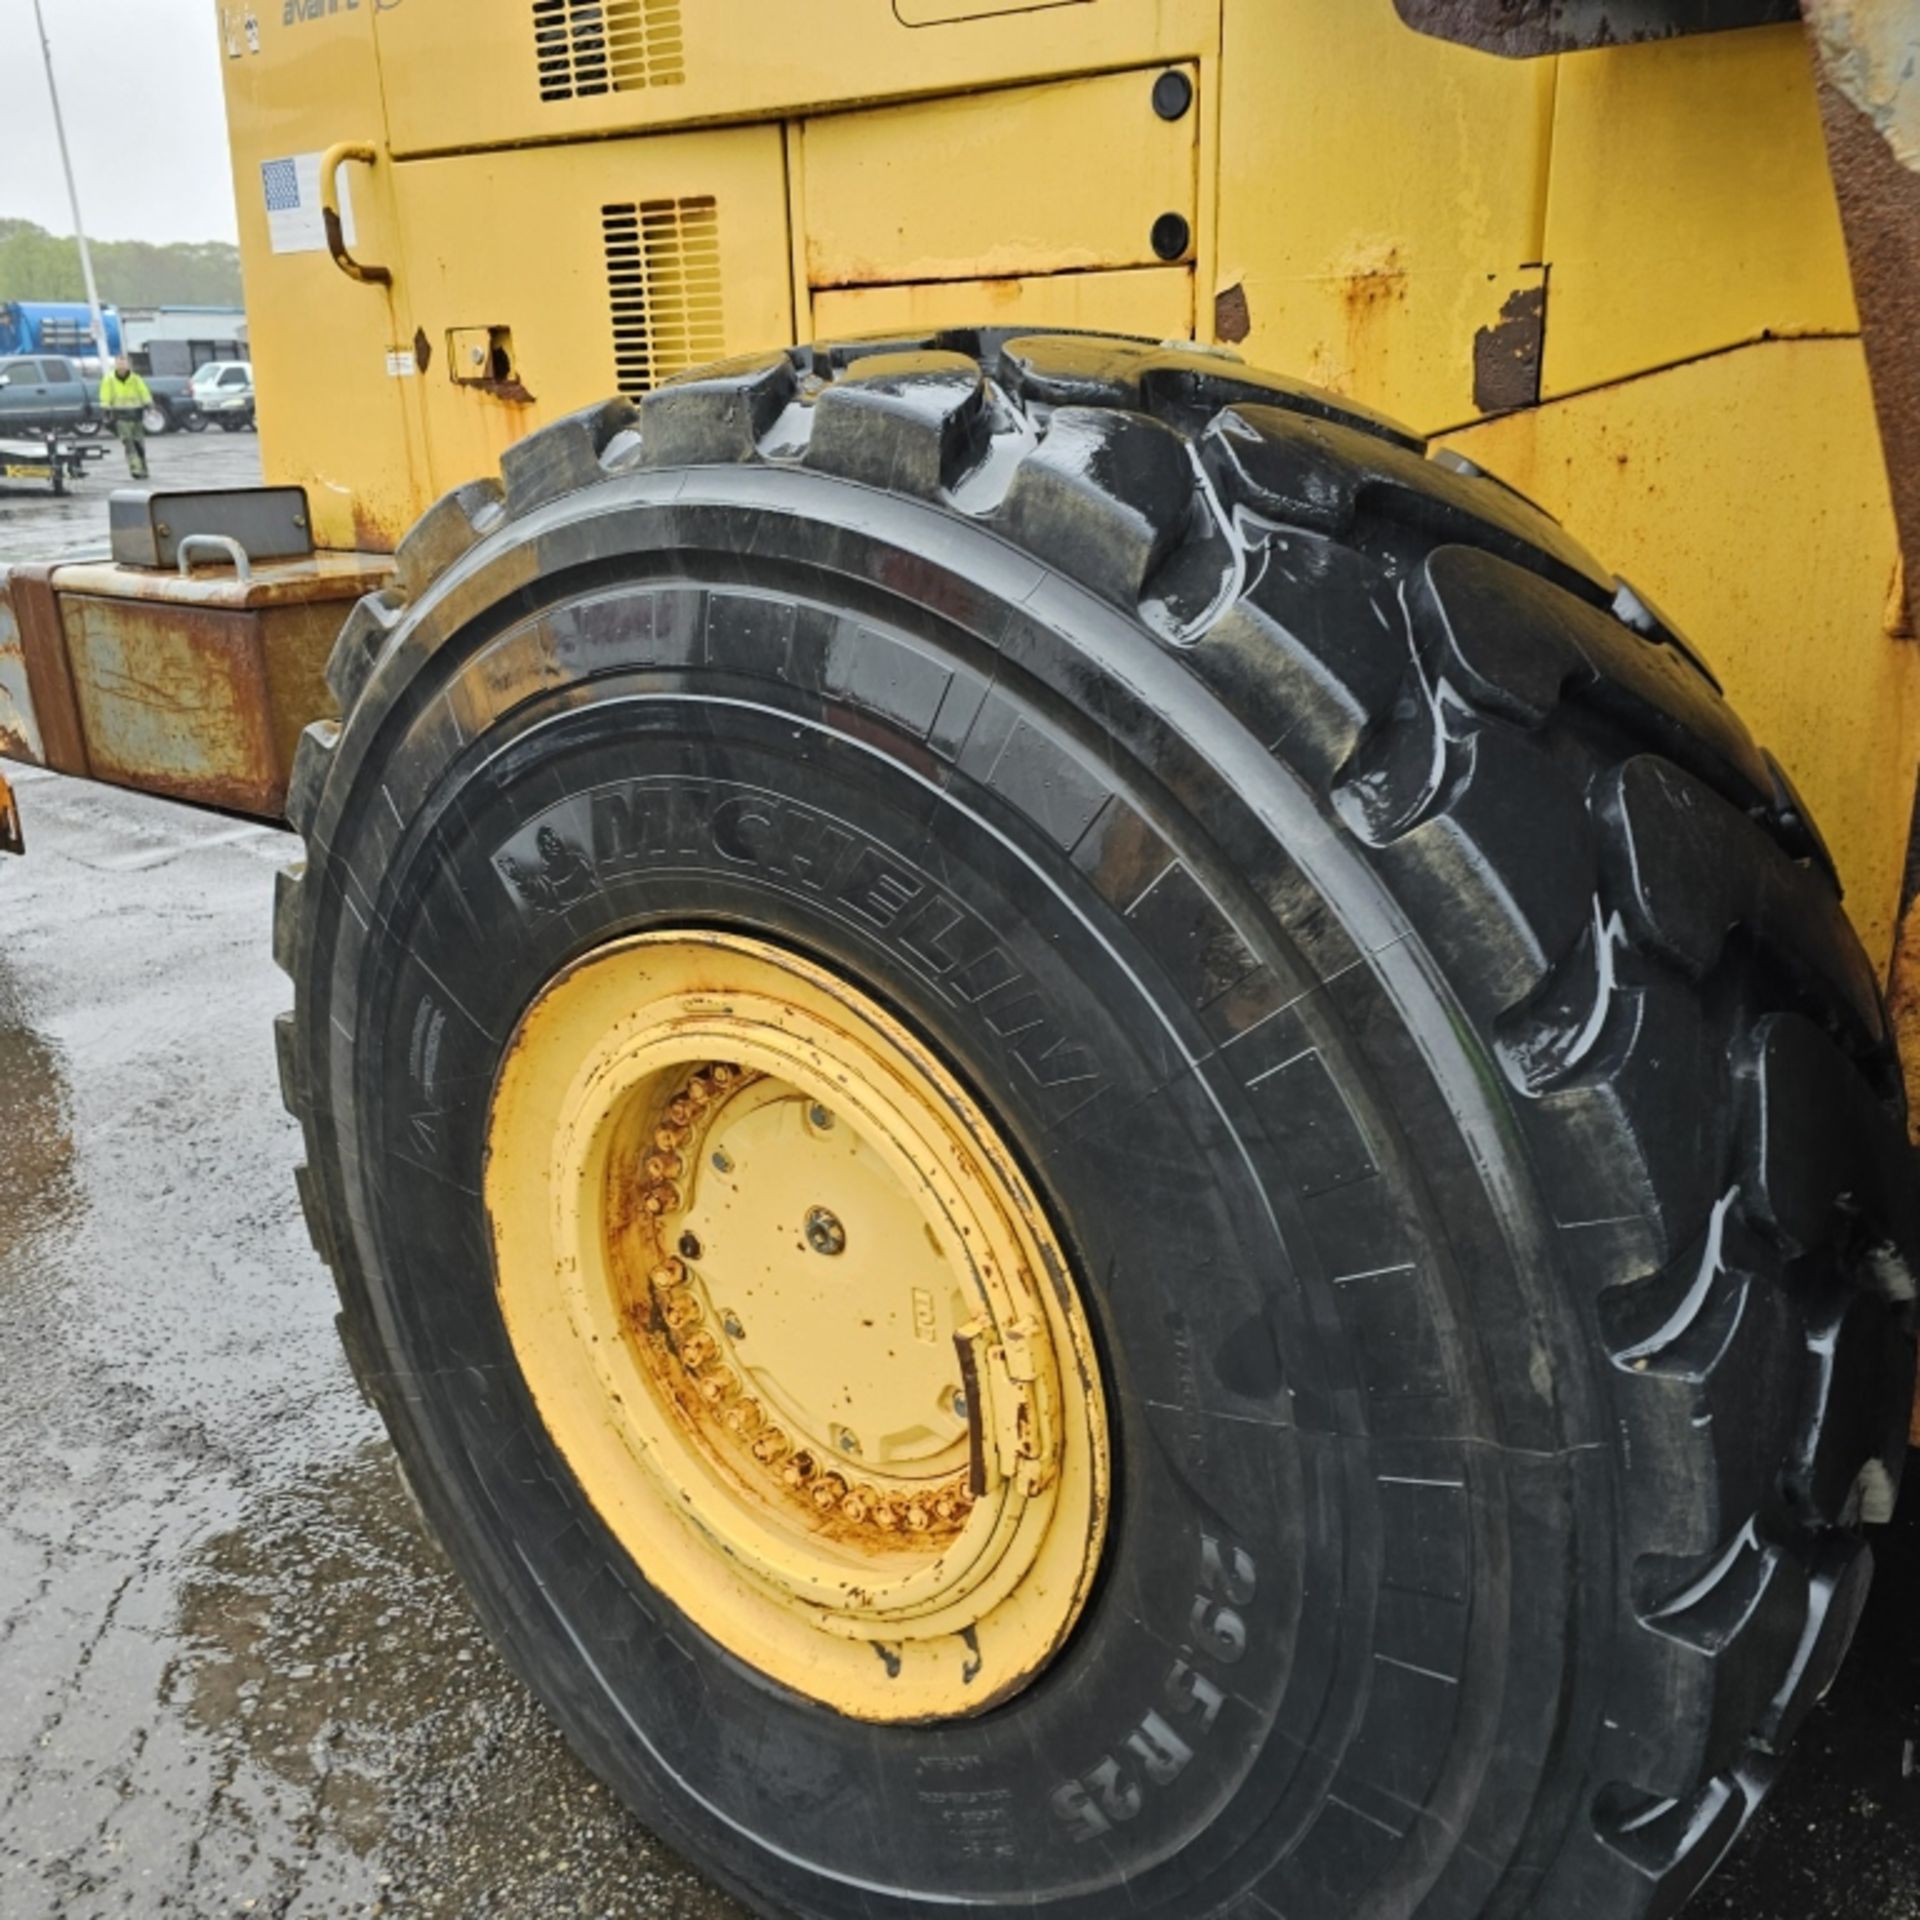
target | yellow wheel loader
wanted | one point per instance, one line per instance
(1102, 1144)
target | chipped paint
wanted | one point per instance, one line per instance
(1232, 316)
(1506, 355)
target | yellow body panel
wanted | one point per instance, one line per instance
(1156, 302)
(535, 265)
(1690, 206)
(945, 190)
(1384, 213)
(1382, 198)
(1746, 495)
(333, 418)
(699, 60)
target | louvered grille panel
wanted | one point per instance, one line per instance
(587, 47)
(663, 278)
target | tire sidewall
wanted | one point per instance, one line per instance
(1294, 1391)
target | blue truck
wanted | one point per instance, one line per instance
(62, 327)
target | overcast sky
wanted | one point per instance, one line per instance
(140, 85)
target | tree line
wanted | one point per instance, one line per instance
(38, 265)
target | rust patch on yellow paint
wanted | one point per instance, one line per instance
(1899, 607)
(372, 531)
(1232, 317)
(1506, 355)
(1370, 285)
(1368, 293)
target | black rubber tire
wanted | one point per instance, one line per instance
(194, 422)
(1430, 1017)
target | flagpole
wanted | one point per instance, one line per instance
(73, 192)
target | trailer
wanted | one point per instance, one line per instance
(47, 457)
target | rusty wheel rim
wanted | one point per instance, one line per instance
(790, 1309)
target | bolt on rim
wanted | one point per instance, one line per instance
(798, 1323)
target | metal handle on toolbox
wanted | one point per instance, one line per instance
(220, 543)
(331, 162)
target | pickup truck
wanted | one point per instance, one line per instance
(41, 391)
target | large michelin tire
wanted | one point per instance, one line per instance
(1427, 1016)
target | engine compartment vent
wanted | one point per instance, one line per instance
(663, 276)
(587, 47)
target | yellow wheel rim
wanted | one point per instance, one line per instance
(798, 1324)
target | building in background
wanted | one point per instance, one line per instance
(176, 340)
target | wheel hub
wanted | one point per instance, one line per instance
(798, 1322)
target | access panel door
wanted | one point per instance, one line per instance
(471, 73)
(542, 280)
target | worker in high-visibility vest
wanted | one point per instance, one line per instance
(124, 399)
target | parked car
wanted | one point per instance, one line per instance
(41, 392)
(223, 391)
(174, 409)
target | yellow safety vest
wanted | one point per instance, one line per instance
(117, 395)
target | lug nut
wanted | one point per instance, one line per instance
(723, 1074)
(918, 1518)
(698, 1350)
(825, 1234)
(858, 1504)
(799, 1470)
(681, 1310)
(668, 1274)
(719, 1387)
(665, 1166)
(770, 1448)
(828, 1491)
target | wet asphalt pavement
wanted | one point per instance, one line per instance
(36, 526)
(234, 1678)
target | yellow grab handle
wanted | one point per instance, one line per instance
(331, 162)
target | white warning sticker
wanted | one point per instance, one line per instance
(401, 364)
(292, 189)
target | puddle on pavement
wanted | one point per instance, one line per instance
(330, 1648)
